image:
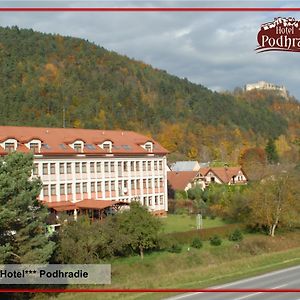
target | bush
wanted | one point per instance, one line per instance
(169, 244)
(174, 247)
(197, 243)
(215, 240)
(236, 236)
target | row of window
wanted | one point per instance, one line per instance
(10, 147)
(77, 146)
(158, 200)
(66, 188)
(96, 167)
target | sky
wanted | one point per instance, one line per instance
(215, 49)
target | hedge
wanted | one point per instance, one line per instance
(204, 234)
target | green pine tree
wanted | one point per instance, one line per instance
(272, 155)
(22, 217)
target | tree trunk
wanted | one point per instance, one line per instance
(272, 229)
(142, 252)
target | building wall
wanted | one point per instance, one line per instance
(107, 178)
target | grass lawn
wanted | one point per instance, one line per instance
(195, 268)
(179, 223)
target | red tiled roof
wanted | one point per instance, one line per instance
(95, 204)
(203, 171)
(179, 180)
(87, 204)
(60, 206)
(225, 174)
(57, 140)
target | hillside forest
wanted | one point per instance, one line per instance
(46, 76)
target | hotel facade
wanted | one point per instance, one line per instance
(82, 164)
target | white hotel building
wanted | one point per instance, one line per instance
(81, 164)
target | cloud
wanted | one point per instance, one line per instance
(213, 49)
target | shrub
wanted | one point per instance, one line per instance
(236, 236)
(168, 244)
(174, 247)
(197, 243)
(215, 240)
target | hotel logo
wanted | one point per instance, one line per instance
(283, 34)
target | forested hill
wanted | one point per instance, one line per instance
(41, 74)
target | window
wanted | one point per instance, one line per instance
(112, 167)
(148, 146)
(144, 183)
(69, 168)
(149, 166)
(132, 166)
(98, 167)
(99, 186)
(155, 165)
(61, 168)
(92, 167)
(137, 166)
(84, 167)
(106, 167)
(9, 147)
(138, 182)
(144, 166)
(35, 170)
(160, 182)
(78, 147)
(120, 167)
(45, 169)
(106, 186)
(77, 188)
(52, 168)
(125, 166)
(150, 201)
(161, 200)
(77, 167)
(150, 183)
(113, 186)
(145, 201)
(69, 188)
(156, 200)
(46, 190)
(160, 165)
(93, 187)
(84, 187)
(156, 182)
(107, 146)
(62, 189)
(34, 147)
(132, 184)
(53, 190)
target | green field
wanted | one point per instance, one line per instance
(179, 223)
(197, 268)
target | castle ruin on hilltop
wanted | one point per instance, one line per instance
(263, 85)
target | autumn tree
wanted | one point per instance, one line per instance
(253, 162)
(274, 201)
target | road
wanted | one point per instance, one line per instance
(284, 279)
